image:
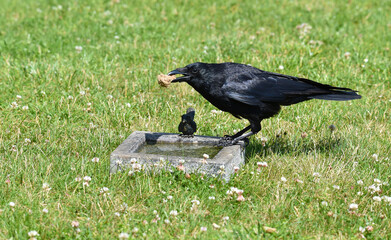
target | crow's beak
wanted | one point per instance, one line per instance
(184, 78)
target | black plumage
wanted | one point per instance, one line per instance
(187, 126)
(250, 93)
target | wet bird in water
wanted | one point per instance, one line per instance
(187, 126)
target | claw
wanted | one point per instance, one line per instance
(186, 136)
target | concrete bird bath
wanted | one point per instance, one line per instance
(150, 149)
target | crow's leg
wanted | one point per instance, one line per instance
(235, 140)
(238, 134)
(255, 128)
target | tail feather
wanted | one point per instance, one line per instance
(337, 96)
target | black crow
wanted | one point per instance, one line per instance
(250, 93)
(187, 126)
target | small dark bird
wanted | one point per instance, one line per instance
(187, 126)
(250, 93)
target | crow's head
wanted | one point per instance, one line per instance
(191, 72)
(186, 118)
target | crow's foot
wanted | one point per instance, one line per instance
(225, 141)
(229, 141)
(186, 136)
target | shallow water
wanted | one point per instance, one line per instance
(179, 149)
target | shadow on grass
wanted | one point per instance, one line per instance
(292, 147)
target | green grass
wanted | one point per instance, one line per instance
(39, 62)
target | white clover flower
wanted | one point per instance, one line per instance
(75, 224)
(375, 157)
(174, 213)
(360, 193)
(46, 187)
(181, 161)
(71, 97)
(281, 67)
(283, 179)
(104, 190)
(135, 230)
(27, 140)
(195, 202)
(366, 60)
(324, 203)
(136, 167)
(229, 192)
(33, 234)
(18, 96)
(377, 181)
(14, 105)
(82, 92)
(347, 55)
(377, 198)
(95, 160)
(128, 105)
(216, 111)
(116, 37)
(353, 206)
(336, 187)
(215, 226)
(374, 188)
(12, 204)
(226, 218)
(43, 93)
(169, 197)
(361, 229)
(123, 235)
(203, 229)
(387, 199)
(87, 178)
(118, 162)
(133, 160)
(110, 96)
(360, 182)
(45, 210)
(316, 174)
(86, 184)
(25, 107)
(117, 214)
(262, 164)
(212, 198)
(14, 148)
(79, 48)
(166, 221)
(206, 156)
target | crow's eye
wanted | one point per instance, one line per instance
(194, 70)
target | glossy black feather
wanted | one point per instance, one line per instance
(250, 93)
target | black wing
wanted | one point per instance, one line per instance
(253, 88)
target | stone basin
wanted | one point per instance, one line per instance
(154, 149)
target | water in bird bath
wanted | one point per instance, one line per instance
(178, 149)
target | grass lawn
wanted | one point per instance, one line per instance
(78, 77)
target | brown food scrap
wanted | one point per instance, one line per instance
(165, 80)
(269, 229)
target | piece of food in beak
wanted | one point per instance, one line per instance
(165, 80)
